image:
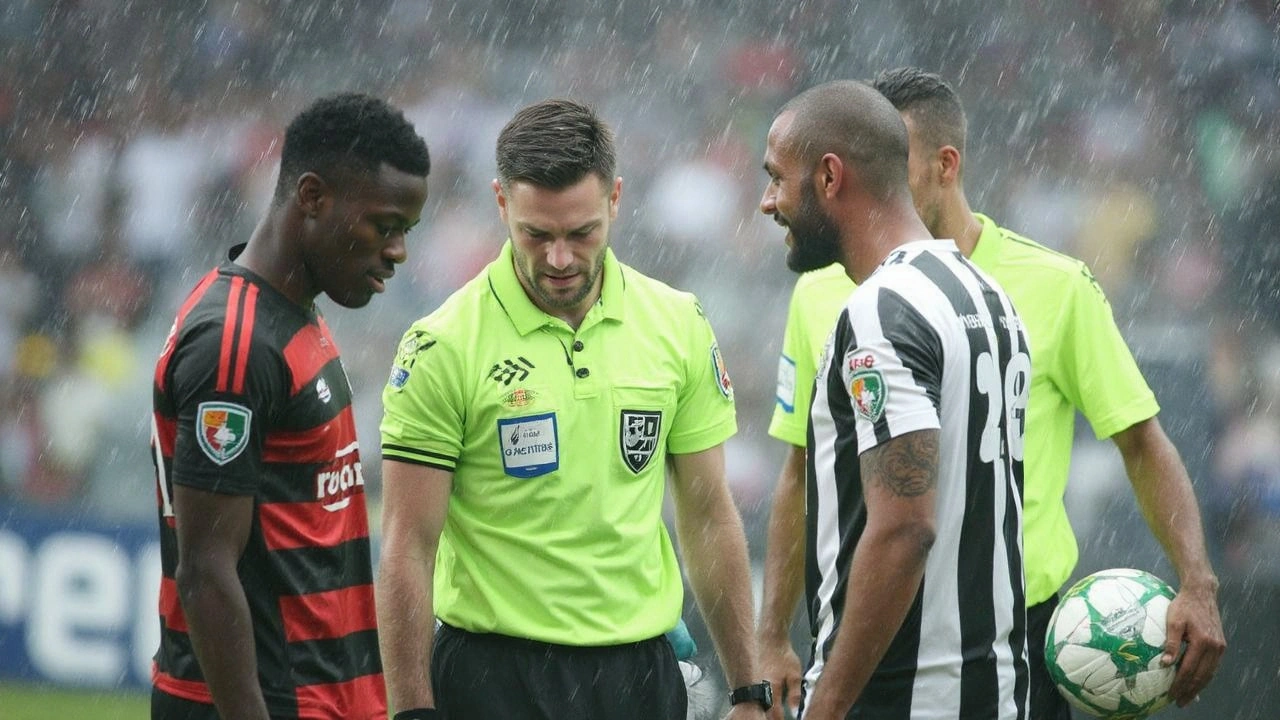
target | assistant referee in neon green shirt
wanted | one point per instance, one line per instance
(529, 426)
(1080, 361)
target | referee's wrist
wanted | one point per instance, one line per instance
(418, 714)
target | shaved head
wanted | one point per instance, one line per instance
(857, 124)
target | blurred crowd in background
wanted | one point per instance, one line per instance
(138, 142)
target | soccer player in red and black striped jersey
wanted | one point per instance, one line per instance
(266, 602)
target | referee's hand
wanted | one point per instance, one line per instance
(781, 667)
(1193, 619)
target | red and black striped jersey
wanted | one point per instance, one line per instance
(250, 398)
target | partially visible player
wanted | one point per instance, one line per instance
(914, 456)
(266, 603)
(1081, 362)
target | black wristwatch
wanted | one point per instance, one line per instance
(761, 692)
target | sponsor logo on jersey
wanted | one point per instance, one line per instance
(510, 370)
(222, 430)
(322, 390)
(530, 445)
(638, 432)
(721, 371)
(868, 390)
(518, 398)
(336, 485)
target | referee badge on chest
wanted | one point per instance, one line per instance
(638, 432)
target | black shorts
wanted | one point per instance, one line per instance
(1046, 702)
(170, 707)
(478, 676)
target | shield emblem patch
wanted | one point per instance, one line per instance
(868, 393)
(222, 430)
(638, 436)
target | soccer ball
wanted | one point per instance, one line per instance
(1105, 641)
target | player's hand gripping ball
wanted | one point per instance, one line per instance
(1105, 642)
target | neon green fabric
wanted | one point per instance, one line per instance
(1079, 361)
(558, 443)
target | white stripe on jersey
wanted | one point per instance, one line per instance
(946, 316)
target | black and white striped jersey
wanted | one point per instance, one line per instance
(927, 342)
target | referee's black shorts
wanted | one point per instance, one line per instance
(480, 676)
(1046, 702)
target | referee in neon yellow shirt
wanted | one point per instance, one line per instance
(529, 425)
(1080, 361)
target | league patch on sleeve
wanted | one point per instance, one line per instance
(721, 372)
(222, 430)
(866, 384)
(786, 384)
(407, 355)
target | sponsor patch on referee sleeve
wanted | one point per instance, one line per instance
(721, 372)
(786, 384)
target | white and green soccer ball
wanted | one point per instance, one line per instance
(1105, 642)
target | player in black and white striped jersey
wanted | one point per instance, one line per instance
(914, 479)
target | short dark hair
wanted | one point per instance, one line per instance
(554, 144)
(931, 102)
(852, 120)
(345, 132)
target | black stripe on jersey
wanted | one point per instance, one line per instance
(351, 656)
(312, 570)
(420, 457)
(176, 656)
(1012, 530)
(915, 342)
(308, 409)
(979, 681)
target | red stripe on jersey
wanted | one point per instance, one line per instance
(364, 698)
(319, 444)
(229, 327)
(192, 690)
(245, 334)
(328, 615)
(329, 522)
(162, 365)
(171, 606)
(307, 352)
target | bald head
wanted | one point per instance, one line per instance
(856, 123)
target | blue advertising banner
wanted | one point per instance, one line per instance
(77, 600)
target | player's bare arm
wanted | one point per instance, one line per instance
(783, 584)
(713, 548)
(899, 478)
(213, 530)
(1164, 493)
(415, 504)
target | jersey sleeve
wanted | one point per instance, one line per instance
(797, 366)
(891, 367)
(223, 415)
(1095, 369)
(423, 406)
(705, 414)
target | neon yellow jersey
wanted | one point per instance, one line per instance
(1079, 361)
(558, 444)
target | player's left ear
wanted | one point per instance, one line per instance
(830, 175)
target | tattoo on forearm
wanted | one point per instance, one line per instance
(906, 465)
